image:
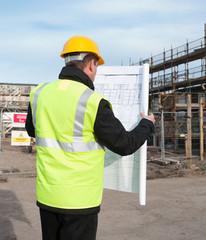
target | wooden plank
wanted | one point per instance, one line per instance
(184, 105)
(14, 99)
(189, 130)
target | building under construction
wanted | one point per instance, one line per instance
(178, 92)
(177, 97)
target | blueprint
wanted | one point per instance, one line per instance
(126, 88)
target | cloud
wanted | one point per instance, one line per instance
(33, 32)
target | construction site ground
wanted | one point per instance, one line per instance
(175, 206)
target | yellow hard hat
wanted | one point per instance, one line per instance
(82, 44)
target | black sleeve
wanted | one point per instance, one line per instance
(112, 134)
(29, 123)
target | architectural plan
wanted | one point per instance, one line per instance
(127, 89)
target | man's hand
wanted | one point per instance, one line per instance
(149, 117)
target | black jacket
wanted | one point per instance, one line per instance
(108, 129)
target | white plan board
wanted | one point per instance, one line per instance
(127, 89)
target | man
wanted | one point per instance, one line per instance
(72, 124)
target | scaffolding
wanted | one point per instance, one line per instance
(176, 74)
(13, 98)
(15, 95)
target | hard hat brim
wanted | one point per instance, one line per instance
(100, 61)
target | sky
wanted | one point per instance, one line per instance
(32, 33)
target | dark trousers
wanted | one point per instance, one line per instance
(56, 226)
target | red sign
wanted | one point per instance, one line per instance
(19, 119)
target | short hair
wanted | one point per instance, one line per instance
(82, 63)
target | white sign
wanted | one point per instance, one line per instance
(20, 138)
(127, 88)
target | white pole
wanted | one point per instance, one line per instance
(162, 137)
(143, 149)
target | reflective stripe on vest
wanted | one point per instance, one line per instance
(79, 115)
(34, 103)
(78, 145)
(68, 147)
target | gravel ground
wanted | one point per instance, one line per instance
(175, 209)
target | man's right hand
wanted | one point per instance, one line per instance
(149, 117)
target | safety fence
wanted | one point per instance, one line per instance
(11, 118)
(177, 52)
(191, 74)
(171, 132)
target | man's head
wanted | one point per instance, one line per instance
(83, 53)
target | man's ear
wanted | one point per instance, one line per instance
(89, 68)
(91, 65)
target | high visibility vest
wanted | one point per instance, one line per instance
(70, 160)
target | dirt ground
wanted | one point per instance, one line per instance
(175, 209)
